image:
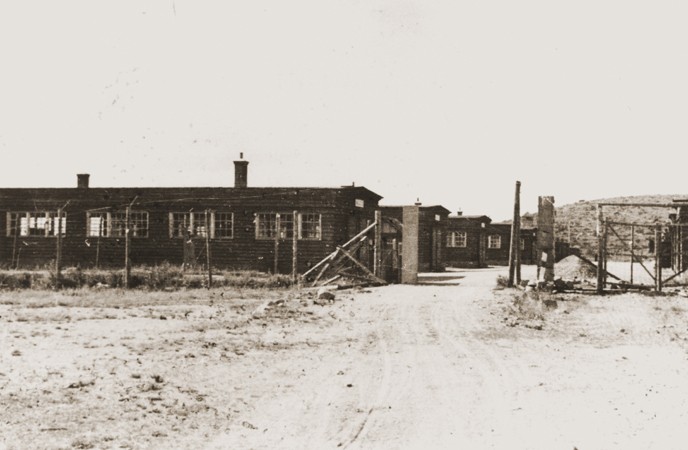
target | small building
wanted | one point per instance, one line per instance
(247, 227)
(431, 230)
(466, 242)
(474, 241)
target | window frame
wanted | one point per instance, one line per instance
(494, 237)
(454, 242)
(191, 217)
(318, 227)
(286, 233)
(46, 218)
(214, 227)
(115, 224)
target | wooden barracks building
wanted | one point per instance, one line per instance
(474, 241)
(241, 222)
(248, 227)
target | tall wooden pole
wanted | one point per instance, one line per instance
(632, 250)
(100, 233)
(127, 247)
(514, 245)
(600, 251)
(658, 255)
(127, 244)
(207, 250)
(295, 248)
(605, 238)
(377, 262)
(15, 257)
(278, 230)
(58, 252)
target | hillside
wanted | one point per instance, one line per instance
(576, 223)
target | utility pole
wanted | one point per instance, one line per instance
(515, 244)
(127, 244)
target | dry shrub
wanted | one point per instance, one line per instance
(502, 282)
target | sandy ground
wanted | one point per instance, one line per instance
(441, 365)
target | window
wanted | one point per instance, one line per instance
(139, 223)
(36, 223)
(223, 225)
(310, 226)
(523, 244)
(266, 226)
(456, 239)
(286, 225)
(114, 224)
(97, 224)
(359, 203)
(494, 241)
(268, 223)
(183, 224)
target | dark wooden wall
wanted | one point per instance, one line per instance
(341, 219)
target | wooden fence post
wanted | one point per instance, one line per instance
(600, 251)
(207, 250)
(295, 248)
(58, 252)
(127, 245)
(100, 233)
(658, 256)
(632, 250)
(377, 251)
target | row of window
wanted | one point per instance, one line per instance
(217, 225)
(459, 239)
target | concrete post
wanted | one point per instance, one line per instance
(409, 249)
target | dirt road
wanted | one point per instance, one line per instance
(435, 367)
(432, 366)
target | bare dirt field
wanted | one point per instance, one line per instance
(452, 364)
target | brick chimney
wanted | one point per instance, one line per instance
(82, 180)
(241, 172)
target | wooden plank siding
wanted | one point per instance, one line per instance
(431, 234)
(478, 229)
(468, 256)
(337, 207)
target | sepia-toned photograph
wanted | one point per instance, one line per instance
(343, 224)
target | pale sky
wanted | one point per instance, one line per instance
(447, 101)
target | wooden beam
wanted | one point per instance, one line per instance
(207, 249)
(377, 250)
(658, 257)
(600, 251)
(328, 281)
(643, 205)
(632, 253)
(362, 267)
(515, 228)
(295, 248)
(349, 242)
(58, 251)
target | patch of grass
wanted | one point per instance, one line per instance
(157, 278)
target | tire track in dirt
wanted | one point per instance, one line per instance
(461, 325)
(390, 338)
